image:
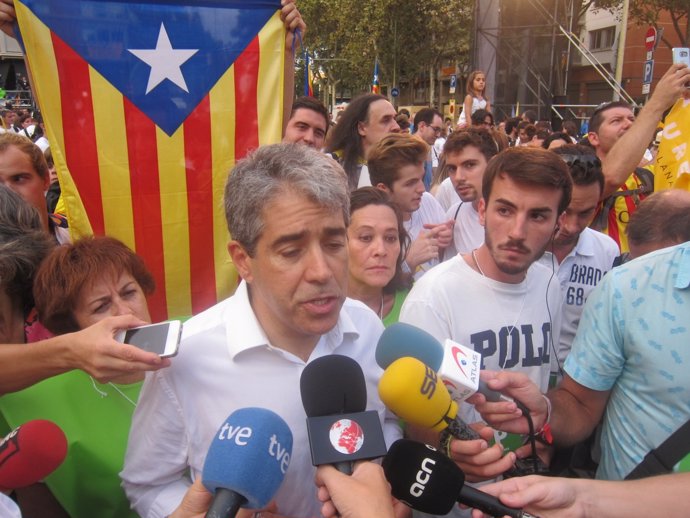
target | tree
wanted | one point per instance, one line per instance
(647, 12)
(345, 37)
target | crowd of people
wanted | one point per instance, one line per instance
(548, 253)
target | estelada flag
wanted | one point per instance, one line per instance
(147, 105)
(672, 167)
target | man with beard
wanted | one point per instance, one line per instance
(495, 299)
(578, 255)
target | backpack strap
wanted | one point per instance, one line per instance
(662, 458)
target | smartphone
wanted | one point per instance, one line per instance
(681, 55)
(162, 339)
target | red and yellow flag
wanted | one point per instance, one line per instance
(147, 107)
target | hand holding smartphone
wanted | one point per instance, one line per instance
(162, 339)
(682, 55)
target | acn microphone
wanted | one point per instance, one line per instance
(429, 482)
(414, 392)
(30, 453)
(247, 461)
(341, 431)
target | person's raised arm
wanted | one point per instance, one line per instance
(293, 22)
(93, 350)
(626, 153)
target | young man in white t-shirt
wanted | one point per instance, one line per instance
(396, 166)
(497, 299)
(467, 154)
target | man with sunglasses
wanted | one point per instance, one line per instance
(578, 255)
(620, 140)
(428, 123)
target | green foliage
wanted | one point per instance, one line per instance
(408, 37)
(647, 12)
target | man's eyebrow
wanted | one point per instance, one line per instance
(288, 238)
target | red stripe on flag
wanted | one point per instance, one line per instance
(613, 226)
(199, 172)
(79, 130)
(246, 112)
(146, 205)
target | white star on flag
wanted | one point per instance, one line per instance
(165, 62)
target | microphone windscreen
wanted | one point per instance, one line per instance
(31, 452)
(249, 455)
(400, 340)
(414, 393)
(422, 477)
(333, 384)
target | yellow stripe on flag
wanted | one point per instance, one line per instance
(173, 195)
(270, 105)
(41, 61)
(222, 100)
(111, 139)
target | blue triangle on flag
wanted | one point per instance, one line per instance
(104, 33)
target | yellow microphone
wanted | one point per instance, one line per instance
(415, 393)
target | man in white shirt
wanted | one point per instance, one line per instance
(287, 212)
(467, 154)
(578, 255)
(496, 299)
(396, 166)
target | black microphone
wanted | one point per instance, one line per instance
(429, 482)
(341, 431)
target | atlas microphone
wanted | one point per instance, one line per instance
(341, 431)
(457, 366)
(247, 461)
(431, 483)
(414, 392)
(31, 452)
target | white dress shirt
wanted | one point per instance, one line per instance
(225, 363)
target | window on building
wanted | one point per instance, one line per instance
(602, 39)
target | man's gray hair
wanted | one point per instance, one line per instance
(273, 170)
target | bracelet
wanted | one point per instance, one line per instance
(544, 434)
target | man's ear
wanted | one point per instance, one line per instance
(481, 209)
(593, 138)
(383, 187)
(241, 259)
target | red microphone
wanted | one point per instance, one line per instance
(31, 452)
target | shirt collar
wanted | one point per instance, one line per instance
(251, 335)
(683, 279)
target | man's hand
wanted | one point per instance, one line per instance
(195, 503)
(7, 17)
(95, 351)
(422, 249)
(292, 19)
(543, 496)
(364, 494)
(671, 86)
(444, 232)
(505, 415)
(477, 459)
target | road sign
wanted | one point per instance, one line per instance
(648, 72)
(650, 38)
(645, 89)
(453, 83)
(395, 92)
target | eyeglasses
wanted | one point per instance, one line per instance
(610, 104)
(436, 129)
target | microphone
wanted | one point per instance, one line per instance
(31, 452)
(334, 396)
(247, 461)
(457, 366)
(428, 482)
(414, 393)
